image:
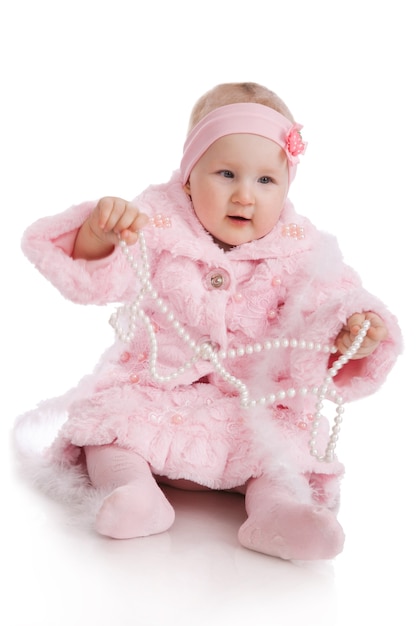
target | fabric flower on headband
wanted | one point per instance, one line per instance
(295, 143)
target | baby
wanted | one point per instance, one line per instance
(240, 319)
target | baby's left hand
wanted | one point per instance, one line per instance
(377, 332)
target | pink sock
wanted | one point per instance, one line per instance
(136, 507)
(281, 525)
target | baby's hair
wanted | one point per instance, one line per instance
(232, 93)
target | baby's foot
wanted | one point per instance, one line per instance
(290, 530)
(134, 510)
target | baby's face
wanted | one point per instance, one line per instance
(238, 188)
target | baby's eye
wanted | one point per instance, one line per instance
(226, 173)
(265, 180)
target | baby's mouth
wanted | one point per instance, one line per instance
(239, 218)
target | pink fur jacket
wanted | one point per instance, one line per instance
(292, 283)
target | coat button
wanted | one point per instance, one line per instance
(217, 279)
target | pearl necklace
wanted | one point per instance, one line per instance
(205, 350)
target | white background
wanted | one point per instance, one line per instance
(95, 98)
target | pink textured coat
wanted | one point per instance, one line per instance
(193, 426)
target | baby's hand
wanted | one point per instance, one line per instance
(114, 218)
(377, 332)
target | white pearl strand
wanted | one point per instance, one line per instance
(206, 351)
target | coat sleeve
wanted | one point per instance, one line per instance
(323, 304)
(361, 377)
(48, 244)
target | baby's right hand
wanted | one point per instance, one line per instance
(111, 219)
(115, 218)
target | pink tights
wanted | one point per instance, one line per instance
(278, 524)
(136, 506)
(281, 525)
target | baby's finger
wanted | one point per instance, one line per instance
(355, 322)
(377, 331)
(140, 222)
(129, 236)
(109, 212)
(131, 220)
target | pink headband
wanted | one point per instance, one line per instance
(244, 117)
